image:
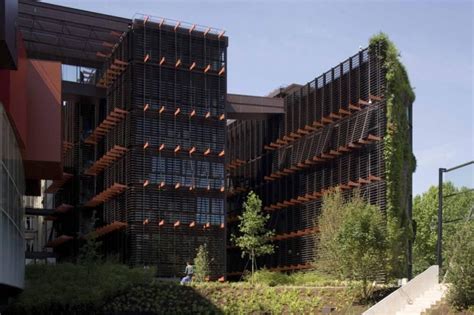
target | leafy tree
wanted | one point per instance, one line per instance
(202, 264)
(355, 242)
(425, 214)
(254, 239)
(460, 271)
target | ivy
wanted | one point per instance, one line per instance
(399, 160)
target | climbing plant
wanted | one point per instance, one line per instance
(399, 160)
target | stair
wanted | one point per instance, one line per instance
(425, 301)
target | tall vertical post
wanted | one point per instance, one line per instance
(439, 257)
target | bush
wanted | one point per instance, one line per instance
(269, 278)
(160, 298)
(313, 278)
(461, 267)
(301, 278)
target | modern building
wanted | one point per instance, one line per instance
(149, 154)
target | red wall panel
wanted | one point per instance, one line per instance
(42, 157)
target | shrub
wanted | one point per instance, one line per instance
(269, 278)
(74, 289)
(202, 264)
(461, 267)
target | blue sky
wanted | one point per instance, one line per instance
(274, 43)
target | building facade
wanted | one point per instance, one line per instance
(331, 135)
(148, 153)
(143, 136)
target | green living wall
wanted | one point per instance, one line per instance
(399, 160)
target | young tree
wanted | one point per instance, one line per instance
(352, 239)
(89, 254)
(202, 262)
(254, 239)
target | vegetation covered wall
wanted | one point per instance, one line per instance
(399, 160)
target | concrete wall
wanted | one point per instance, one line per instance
(407, 293)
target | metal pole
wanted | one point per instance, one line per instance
(439, 257)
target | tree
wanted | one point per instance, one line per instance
(202, 264)
(354, 244)
(330, 221)
(425, 214)
(254, 239)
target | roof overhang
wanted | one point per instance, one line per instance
(68, 35)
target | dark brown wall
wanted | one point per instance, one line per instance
(13, 94)
(8, 27)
